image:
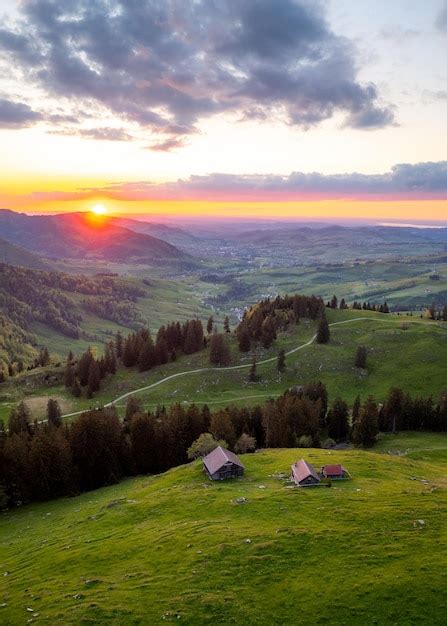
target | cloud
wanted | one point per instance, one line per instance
(441, 19)
(17, 114)
(101, 134)
(403, 181)
(167, 64)
(168, 145)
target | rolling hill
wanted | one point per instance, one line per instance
(16, 255)
(85, 236)
(394, 345)
(179, 548)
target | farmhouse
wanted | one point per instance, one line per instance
(335, 472)
(304, 474)
(221, 463)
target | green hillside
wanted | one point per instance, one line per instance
(177, 547)
(393, 353)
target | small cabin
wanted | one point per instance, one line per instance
(221, 464)
(304, 474)
(334, 472)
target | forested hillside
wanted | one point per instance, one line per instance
(61, 302)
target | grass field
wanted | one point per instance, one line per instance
(177, 547)
(414, 359)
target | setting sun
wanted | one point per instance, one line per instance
(99, 209)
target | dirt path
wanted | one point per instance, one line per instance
(245, 365)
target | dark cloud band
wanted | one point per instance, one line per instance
(167, 64)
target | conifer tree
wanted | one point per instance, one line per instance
(252, 376)
(226, 324)
(94, 378)
(367, 425)
(337, 420)
(76, 389)
(281, 364)
(209, 325)
(323, 332)
(54, 413)
(20, 420)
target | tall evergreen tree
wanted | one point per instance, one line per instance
(210, 325)
(54, 413)
(226, 324)
(94, 378)
(367, 426)
(252, 376)
(281, 363)
(323, 332)
(20, 420)
(337, 420)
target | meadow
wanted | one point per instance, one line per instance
(394, 343)
(177, 547)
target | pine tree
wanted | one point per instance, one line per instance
(147, 358)
(356, 410)
(209, 325)
(219, 350)
(281, 364)
(94, 378)
(367, 426)
(83, 368)
(334, 302)
(54, 413)
(226, 324)
(252, 376)
(76, 389)
(69, 373)
(133, 407)
(323, 332)
(244, 339)
(360, 357)
(119, 344)
(20, 420)
(337, 419)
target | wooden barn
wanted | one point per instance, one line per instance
(304, 474)
(334, 472)
(221, 464)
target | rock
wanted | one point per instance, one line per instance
(241, 500)
(421, 522)
(5, 573)
(248, 541)
(261, 486)
(29, 609)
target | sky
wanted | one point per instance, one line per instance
(233, 108)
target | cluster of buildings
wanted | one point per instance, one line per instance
(221, 464)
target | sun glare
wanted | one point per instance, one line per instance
(99, 209)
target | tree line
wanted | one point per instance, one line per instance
(137, 349)
(41, 461)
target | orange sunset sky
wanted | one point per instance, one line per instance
(331, 109)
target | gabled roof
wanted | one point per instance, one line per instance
(218, 457)
(302, 469)
(333, 470)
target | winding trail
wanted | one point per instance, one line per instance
(245, 365)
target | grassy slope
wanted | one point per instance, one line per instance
(153, 548)
(393, 355)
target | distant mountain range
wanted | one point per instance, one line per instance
(86, 236)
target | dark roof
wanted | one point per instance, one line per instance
(302, 469)
(217, 459)
(333, 470)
